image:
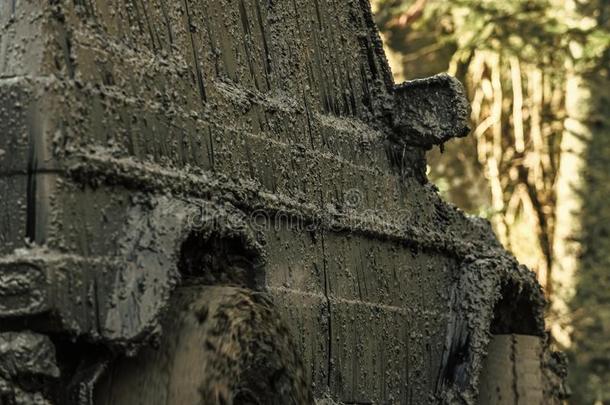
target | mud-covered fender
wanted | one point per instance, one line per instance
(117, 300)
(150, 252)
(492, 294)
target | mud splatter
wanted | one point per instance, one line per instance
(283, 117)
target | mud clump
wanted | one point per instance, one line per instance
(239, 148)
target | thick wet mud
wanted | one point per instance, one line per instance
(144, 141)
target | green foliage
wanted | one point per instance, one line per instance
(524, 28)
(537, 31)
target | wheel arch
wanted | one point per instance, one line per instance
(492, 295)
(155, 240)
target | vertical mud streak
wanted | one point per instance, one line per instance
(211, 153)
(247, 38)
(513, 359)
(211, 40)
(382, 367)
(338, 61)
(189, 28)
(352, 98)
(333, 66)
(321, 79)
(319, 61)
(34, 153)
(138, 19)
(358, 277)
(370, 55)
(150, 28)
(251, 170)
(308, 68)
(168, 25)
(266, 55)
(330, 323)
(30, 226)
(308, 119)
(65, 42)
(380, 61)
(409, 393)
(366, 93)
(328, 303)
(369, 70)
(97, 306)
(171, 365)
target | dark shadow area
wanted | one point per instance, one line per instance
(514, 313)
(215, 260)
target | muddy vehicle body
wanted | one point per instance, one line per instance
(166, 160)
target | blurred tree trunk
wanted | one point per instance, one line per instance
(570, 180)
(581, 270)
(581, 275)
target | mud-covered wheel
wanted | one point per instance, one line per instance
(220, 345)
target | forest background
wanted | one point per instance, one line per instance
(537, 163)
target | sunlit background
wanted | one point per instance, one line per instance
(537, 163)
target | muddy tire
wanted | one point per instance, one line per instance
(221, 345)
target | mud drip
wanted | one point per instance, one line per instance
(130, 127)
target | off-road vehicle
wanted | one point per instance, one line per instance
(226, 202)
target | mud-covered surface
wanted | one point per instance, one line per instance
(145, 141)
(430, 111)
(27, 368)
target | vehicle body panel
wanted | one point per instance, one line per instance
(281, 110)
